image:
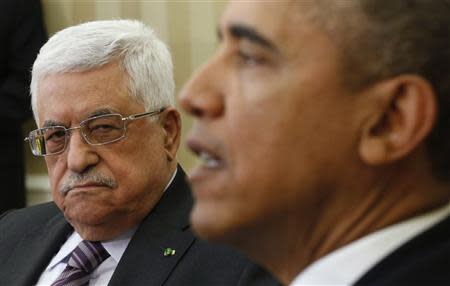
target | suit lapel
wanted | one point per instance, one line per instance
(35, 250)
(144, 262)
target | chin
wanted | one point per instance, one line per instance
(206, 223)
(94, 228)
(210, 223)
(90, 216)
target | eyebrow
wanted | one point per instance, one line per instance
(102, 111)
(98, 112)
(51, 123)
(240, 31)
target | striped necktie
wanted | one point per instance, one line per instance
(83, 260)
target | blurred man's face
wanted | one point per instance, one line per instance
(273, 124)
(135, 167)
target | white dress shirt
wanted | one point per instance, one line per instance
(103, 273)
(347, 264)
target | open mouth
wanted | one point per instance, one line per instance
(208, 158)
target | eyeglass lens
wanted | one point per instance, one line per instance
(96, 131)
(103, 129)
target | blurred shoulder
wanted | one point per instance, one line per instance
(215, 264)
(24, 218)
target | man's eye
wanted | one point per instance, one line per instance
(55, 135)
(102, 128)
(250, 59)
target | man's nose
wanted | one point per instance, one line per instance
(80, 155)
(203, 95)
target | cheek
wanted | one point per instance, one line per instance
(137, 168)
(267, 156)
(56, 171)
(257, 143)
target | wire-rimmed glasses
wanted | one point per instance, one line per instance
(97, 130)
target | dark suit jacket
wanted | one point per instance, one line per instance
(423, 261)
(30, 237)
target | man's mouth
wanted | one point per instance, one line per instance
(208, 158)
(84, 186)
(89, 181)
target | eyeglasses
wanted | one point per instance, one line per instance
(98, 130)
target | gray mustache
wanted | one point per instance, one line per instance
(91, 177)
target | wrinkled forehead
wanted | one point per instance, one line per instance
(75, 95)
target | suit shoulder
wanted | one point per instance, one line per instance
(219, 265)
(421, 261)
(23, 219)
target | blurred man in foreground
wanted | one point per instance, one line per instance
(102, 97)
(324, 134)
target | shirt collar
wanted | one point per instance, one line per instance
(63, 254)
(171, 179)
(116, 247)
(346, 265)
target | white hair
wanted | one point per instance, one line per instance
(145, 59)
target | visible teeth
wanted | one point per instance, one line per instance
(209, 161)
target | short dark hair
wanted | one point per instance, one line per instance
(381, 39)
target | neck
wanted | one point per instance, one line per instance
(279, 246)
(402, 191)
(287, 244)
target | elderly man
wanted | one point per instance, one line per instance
(324, 135)
(102, 97)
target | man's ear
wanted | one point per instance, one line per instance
(171, 125)
(404, 115)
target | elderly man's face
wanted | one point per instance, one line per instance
(274, 125)
(136, 167)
